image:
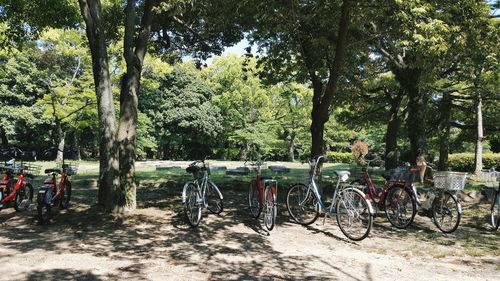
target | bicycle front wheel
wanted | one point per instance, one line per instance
(23, 198)
(353, 214)
(269, 208)
(192, 205)
(302, 205)
(495, 212)
(65, 196)
(400, 207)
(214, 199)
(446, 212)
(253, 200)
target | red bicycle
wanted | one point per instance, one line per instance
(17, 193)
(49, 195)
(262, 196)
(398, 197)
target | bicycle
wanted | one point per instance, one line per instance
(353, 211)
(262, 196)
(49, 195)
(444, 207)
(200, 193)
(491, 178)
(17, 193)
(397, 197)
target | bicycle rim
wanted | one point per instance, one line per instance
(495, 215)
(400, 207)
(214, 199)
(445, 212)
(302, 205)
(192, 205)
(253, 200)
(269, 210)
(353, 215)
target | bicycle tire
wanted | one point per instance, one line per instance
(353, 212)
(446, 206)
(23, 198)
(66, 196)
(400, 207)
(44, 212)
(495, 212)
(303, 210)
(270, 209)
(214, 199)
(192, 205)
(254, 205)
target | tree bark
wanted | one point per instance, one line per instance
(291, 148)
(108, 152)
(60, 145)
(391, 135)
(76, 145)
(323, 96)
(409, 80)
(5, 141)
(444, 131)
(134, 51)
(478, 163)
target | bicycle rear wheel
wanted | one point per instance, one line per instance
(270, 209)
(214, 199)
(495, 212)
(253, 200)
(302, 205)
(23, 198)
(353, 214)
(192, 205)
(446, 212)
(400, 207)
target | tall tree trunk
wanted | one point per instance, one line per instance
(126, 197)
(76, 145)
(444, 131)
(60, 145)
(3, 135)
(409, 80)
(108, 151)
(291, 148)
(478, 166)
(244, 151)
(391, 135)
(323, 96)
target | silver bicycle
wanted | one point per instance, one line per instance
(200, 193)
(353, 211)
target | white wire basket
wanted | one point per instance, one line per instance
(450, 180)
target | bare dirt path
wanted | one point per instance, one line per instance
(155, 243)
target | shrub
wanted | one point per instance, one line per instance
(359, 149)
(341, 157)
(464, 162)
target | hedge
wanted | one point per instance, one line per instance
(464, 162)
(341, 157)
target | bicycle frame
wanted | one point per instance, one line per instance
(313, 186)
(372, 191)
(20, 182)
(202, 187)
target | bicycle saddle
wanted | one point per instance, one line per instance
(193, 169)
(341, 173)
(266, 178)
(50, 171)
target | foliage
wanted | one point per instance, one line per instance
(359, 149)
(341, 157)
(464, 162)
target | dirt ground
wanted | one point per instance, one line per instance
(155, 243)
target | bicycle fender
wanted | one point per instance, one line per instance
(216, 188)
(459, 204)
(184, 191)
(370, 207)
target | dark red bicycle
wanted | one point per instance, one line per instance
(262, 196)
(17, 193)
(398, 196)
(53, 193)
